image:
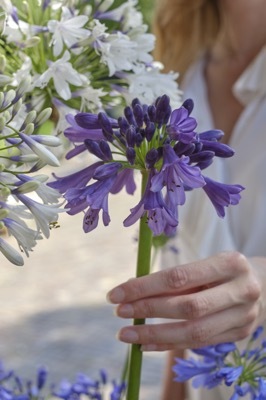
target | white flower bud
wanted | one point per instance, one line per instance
(2, 63)
(10, 253)
(2, 123)
(24, 86)
(29, 129)
(5, 192)
(9, 97)
(30, 117)
(2, 96)
(5, 80)
(27, 187)
(43, 116)
(17, 107)
(3, 213)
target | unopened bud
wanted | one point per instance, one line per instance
(17, 107)
(2, 123)
(9, 97)
(43, 116)
(24, 86)
(2, 63)
(27, 187)
(2, 96)
(3, 213)
(29, 129)
(30, 117)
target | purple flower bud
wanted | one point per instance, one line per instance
(257, 333)
(225, 347)
(152, 157)
(106, 126)
(204, 155)
(152, 113)
(185, 149)
(139, 139)
(220, 149)
(105, 148)
(94, 148)
(131, 136)
(189, 105)
(149, 131)
(123, 124)
(213, 134)
(41, 377)
(120, 138)
(135, 101)
(163, 110)
(129, 115)
(138, 114)
(131, 155)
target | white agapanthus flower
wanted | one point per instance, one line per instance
(10, 253)
(25, 236)
(150, 84)
(90, 98)
(63, 74)
(144, 43)
(118, 52)
(68, 30)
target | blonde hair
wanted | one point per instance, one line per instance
(184, 29)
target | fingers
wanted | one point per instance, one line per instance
(242, 290)
(190, 306)
(237, 322)
(180, 279)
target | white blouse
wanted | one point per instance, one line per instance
(201, 232)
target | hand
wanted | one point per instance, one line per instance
(218, 299)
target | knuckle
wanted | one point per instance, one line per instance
(195, 307)
(198, 335)
(150, 334)
(175, 278)
(146, 308)
(252, 290)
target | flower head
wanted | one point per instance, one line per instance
(155, 140)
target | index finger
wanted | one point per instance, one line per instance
(176, 280)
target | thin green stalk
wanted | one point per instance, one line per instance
(143, 268)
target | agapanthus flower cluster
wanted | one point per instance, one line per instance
(225, 364)
(24, 195)
(80, 55)
(13, 387)
(162, 144)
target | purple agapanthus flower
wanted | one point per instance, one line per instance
(13, 387)
(162, 144)
(225, 364)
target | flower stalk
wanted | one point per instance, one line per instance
(142, 268)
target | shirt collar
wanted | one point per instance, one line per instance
(252, 82)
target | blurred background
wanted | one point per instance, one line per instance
(53, 309)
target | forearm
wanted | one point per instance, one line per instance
(172, 390)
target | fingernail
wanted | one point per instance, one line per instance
(148, 347)
(128, 335)
(116, 295)
(125, 311)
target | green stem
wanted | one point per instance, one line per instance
(143, 268)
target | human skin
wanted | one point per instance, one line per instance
(215, 300)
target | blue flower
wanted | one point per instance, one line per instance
(152, 139)
(222, 195)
